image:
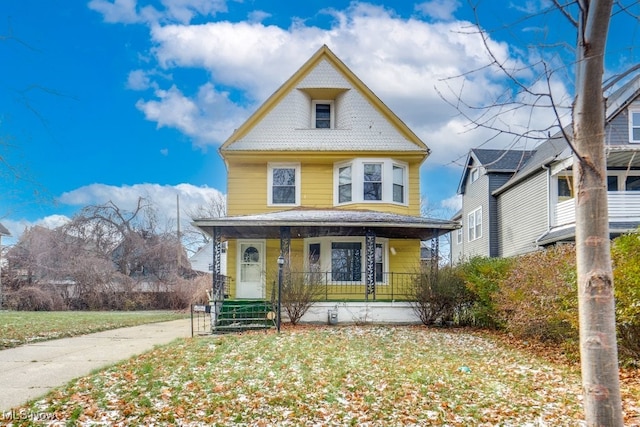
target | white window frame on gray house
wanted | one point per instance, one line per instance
(459, 235)
(357, 181)
(634, 125)
(475, 174)
(271, 170)
(474, 224)
(322, 121)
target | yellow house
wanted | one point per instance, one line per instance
(325, 176)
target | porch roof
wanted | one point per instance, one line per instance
(568, 233)
(326, 222)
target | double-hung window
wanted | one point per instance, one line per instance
(372, 184)
(283, 184)
(323, 115)
(474, 224)
(344, 184)
(634, 126)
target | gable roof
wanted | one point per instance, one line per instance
(493, 161)
(322, 57)
(4, 231)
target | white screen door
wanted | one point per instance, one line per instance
(250, 270)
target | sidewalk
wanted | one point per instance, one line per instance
(31, 370)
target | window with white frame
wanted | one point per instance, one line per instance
(634, 126)
(459, 235)
(474, 224)
(344, 184)
(322, 115)
(283, 184)
(344, 258)
(475, 174)
(370, 181)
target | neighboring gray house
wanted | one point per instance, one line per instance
(514, 201)
(484, 172)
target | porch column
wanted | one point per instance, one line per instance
(435, 253)
(285, 245)
(218, 280)
(370, 266)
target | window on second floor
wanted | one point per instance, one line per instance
(634, 126)
(370, 180)
(474, 224)
(283, 184)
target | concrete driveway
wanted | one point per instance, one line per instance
(30, 371)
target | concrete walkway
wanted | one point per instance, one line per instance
(30, 371)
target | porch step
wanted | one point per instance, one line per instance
(239, 315)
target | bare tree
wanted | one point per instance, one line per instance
(591, 18)
(215, 207)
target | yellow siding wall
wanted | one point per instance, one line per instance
(247, 187)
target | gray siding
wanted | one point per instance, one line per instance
(476, 195)
(495, 181)
(618, 129)
(523, 213)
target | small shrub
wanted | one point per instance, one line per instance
(538, 297)
(31, 298)
(441, 297)
(483, 276)
(300, 290)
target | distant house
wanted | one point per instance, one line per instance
(514, 202)
(325, 175)
(202, 260)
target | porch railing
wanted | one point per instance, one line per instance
(623, 206)
(327, 286)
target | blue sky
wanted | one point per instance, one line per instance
(115, 99)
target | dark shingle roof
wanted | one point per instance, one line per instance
(501, 160)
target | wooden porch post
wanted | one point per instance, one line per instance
(370, 267)
(285, 245)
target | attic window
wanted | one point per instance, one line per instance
(634, 126)
(475, 174)
(323, 115)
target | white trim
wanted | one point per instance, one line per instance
(261, 244)
(633, 111)
(298, 175)
(473, 224)
(357, 180)
(325, 252)
(332, 114)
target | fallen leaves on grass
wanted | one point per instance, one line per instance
(370, 376)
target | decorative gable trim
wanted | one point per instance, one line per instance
(323, 54)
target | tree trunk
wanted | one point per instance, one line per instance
(598, 347)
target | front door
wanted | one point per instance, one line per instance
(250, 270)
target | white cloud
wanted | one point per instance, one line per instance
(163, 198)
(209, 117)
(453, 203)
(16, 228)
(408, 62)
(439, 9)
(123, 11)
(129, 12)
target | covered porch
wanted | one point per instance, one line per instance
(346, 255)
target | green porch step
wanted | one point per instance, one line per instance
(239, 315)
